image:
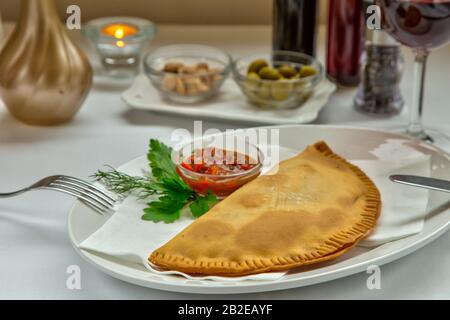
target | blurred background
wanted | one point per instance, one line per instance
(169, 11)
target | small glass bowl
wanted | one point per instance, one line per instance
(220, 185)
(278, 94)
(185, 87)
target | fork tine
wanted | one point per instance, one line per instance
(93, 206)
(82, 193)
(89, 185)
(83, 187)
(86, 201)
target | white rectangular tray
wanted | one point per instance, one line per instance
(230, 104)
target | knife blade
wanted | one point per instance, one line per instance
(422, 182)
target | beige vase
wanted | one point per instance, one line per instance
(1, 31)
(44, 77)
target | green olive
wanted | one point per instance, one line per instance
(281, 90)
(307, 71)
(257, 65)
(264, 91)
(251, 83)
(287, 71)
(268, 73)
(253, 76)
(301, 84)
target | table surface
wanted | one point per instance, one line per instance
(35, 250)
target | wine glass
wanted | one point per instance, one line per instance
(420, 25)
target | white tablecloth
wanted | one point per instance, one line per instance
(34, 248)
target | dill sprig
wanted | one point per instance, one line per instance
(124, 184)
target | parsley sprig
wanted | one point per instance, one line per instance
(173, 193)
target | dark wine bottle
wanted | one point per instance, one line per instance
(295, 26)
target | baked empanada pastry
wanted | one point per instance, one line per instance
(314, 208)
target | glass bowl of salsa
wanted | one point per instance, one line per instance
(207, 166)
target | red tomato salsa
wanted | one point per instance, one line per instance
(218, 162)
(217, 170)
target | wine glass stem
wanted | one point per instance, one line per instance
(415, 127)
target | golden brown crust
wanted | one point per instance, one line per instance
(230, 243)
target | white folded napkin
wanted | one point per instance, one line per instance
(128, 237)
(403, 208)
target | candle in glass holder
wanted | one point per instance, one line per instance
(119, 31)
(119, 42)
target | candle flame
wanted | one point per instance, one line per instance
(119, 33)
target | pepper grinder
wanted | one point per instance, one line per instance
(379, 91)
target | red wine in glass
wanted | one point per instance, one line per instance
(420, 25)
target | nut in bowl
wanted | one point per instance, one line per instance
(281, 80)
(187, 73)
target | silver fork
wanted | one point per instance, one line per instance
(89, 194)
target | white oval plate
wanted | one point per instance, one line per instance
(352, 143)
(230, 104)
